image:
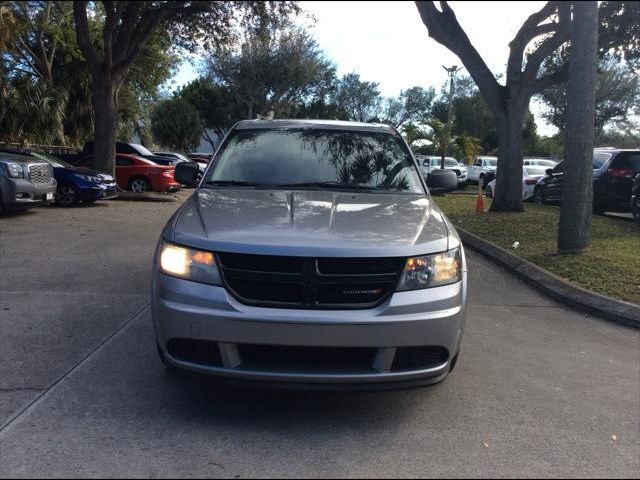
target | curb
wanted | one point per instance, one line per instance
(144, 197)
(557, 288)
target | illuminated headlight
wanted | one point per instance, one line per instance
(432, 270)
(15, 170)
(190, 264)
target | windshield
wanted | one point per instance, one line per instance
(599, 159)
(450, 162)
(54, 161)
(535, 170)
(141, 149)
(542, 162)
(317, 159)
(491, 162)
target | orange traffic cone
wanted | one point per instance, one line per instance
(480, 199)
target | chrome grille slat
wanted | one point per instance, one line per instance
(40, 173)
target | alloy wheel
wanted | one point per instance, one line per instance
(139, 185)
(66, 196)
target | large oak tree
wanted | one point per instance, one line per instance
(126, 30)
(509, 103)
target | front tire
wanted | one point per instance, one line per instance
(67, 195)
(538, 197)
(139, 185)
(635, 208)
(489, 192)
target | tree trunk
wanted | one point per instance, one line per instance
(507, 195)
(574, 230)
(104, 104)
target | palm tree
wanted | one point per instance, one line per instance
(469, 147)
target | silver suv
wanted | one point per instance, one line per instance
(25, 182)
(311, 254)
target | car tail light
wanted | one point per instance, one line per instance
(620, 172)
(531, 181)
(168, 173)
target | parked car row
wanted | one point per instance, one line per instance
(614, 175)
(29, 178)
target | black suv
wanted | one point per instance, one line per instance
(614, 171)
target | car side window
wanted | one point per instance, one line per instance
(124, 148)
(478, 163)
(123, 162)
(627, 161)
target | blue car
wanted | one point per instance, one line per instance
(77, 185)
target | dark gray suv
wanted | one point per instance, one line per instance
(25, 182)
(311, 253)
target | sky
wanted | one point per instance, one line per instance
(386, 42)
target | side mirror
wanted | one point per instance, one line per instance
(442, 181)
(187, 173)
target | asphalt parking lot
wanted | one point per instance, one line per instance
(540, 390)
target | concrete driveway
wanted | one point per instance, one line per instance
(540, 390)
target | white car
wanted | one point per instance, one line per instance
(539, 162)
(530, 177)
(430, 163)
(481, 167)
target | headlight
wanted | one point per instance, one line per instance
(190, 264)
(432, 271)
(15, 170)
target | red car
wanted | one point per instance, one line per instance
(140, 175)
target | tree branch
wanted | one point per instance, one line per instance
(551, 44)
(126, 30)
(82, 35)
(550, 80)
(444, 28)
(530, 29)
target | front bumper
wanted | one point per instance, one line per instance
(98, 192)
(18, 193)
(432, 318)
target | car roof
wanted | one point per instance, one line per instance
(320, 124)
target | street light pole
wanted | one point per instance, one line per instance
(451, 72)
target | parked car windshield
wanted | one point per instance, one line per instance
(542, 162)
(142, 150)
(599, 159)
(315, 159)
(535, 170)
(490, 162)
(54, 161)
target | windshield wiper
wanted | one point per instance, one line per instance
(232, 183)
(334, 184)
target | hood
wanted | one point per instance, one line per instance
(310, 223)
(89, 171)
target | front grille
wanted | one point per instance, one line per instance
(419, 358)
(41, 173)
(458, 172)
(306, 359)
(301, 282)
